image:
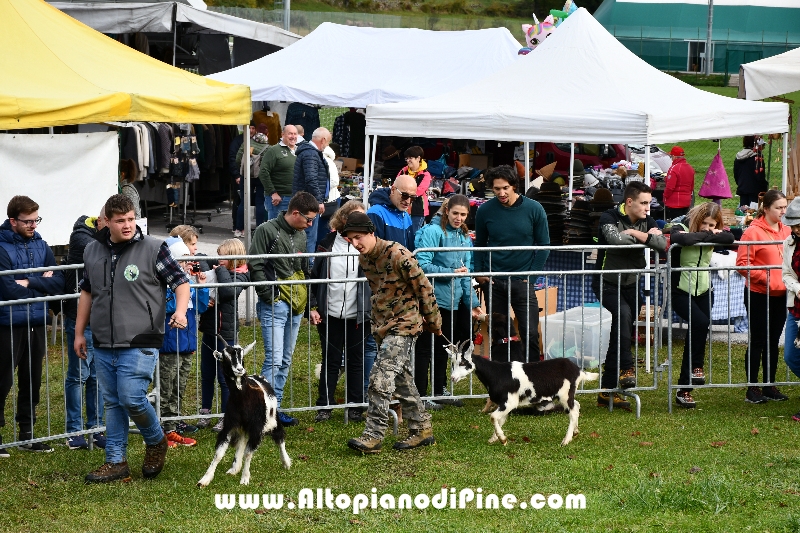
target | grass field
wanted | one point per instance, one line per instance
(726, 466)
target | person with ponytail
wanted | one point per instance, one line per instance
(692, 298)
(766, 298)
(455, 295)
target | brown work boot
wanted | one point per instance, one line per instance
(109, 472)
(366, 444)
(154, 456)
(415, 439)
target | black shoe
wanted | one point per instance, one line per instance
(627, 378)
(754, 395)
(109, 472)
(774, 394)
(3, 451)
(154, 457)
(184, 429)
(684, 399)
(39, 447)
(447, 399)
(323, 415)
(355, 415)
(698, 377)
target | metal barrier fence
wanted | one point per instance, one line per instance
(582, 335)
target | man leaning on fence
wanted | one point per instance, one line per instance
(628, 223)
(123, 291)
(23, 326)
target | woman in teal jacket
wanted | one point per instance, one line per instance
(691, 297)
(454, 295)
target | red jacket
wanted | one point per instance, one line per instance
(680, 184)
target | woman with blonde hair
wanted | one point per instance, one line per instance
(692, 298)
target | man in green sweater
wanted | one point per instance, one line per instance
(511, 219)
(277, 172)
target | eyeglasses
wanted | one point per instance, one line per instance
(404, 196)
(309, 220)
(29, 222)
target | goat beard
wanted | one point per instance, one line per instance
(239, 382)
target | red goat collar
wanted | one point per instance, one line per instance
(509, 339)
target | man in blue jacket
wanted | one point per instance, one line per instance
(389, 207)
(311, 176)
(23, 326)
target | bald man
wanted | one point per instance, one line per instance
(389, 211)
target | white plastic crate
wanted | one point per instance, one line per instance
(581, 334)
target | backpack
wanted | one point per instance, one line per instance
(255, 164)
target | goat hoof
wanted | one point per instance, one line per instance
(504, 441)
(232, 472)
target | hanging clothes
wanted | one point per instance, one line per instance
(341, 136)
(273, 123)
(304, 115)
(356, 123)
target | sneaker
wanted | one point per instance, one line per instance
(99, 440)
(774, 394)
(218, 426)
(355, 415)
(754, 395)
(698, 377)
(323, 415)
(177, 438)
(3, 451)
(287, 420)
(39, 447)
(238, 234)
(415, 439)
(154, 457)
(365, 444)
(109, 472)
(619, 403)
(433, 406)
(185, 429)
(627, 378)
(203, 422)
(447, 399)
(684, 399)
(77, 443)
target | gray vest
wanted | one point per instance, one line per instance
(129, 304)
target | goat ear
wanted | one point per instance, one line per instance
(469, 350)
(217, 355)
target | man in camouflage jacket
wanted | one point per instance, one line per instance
(403, 305)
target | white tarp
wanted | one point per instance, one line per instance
(580, 85)
(349, 66)
(132, 17)
(771, 76)
(51, 168)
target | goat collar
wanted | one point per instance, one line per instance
(509, 339)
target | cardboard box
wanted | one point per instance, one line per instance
(463, 160)
(481, 162)
(339, 163)
(349, 163)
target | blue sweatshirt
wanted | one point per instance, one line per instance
(523, 224)
(391, 224)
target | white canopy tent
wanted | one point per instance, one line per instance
(771, 76)
(157, 17)
(340, 65)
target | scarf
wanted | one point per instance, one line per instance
(423, 166)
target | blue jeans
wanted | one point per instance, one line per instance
(211, 369)
(124, 375)
(274, 210)
(311, 236)
(370, 351)
(791, 354)
(279, 329)
(81, 372)
(417, 221)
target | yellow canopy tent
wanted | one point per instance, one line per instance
(57, 71)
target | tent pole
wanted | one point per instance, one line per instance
(571, 178)
(646, 179)
(785, 171)
(174, 32)
(367, 170)
(527, 165)
(246, 211)
(372, 153)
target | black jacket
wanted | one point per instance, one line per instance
(748, 171)
(83, 232)
(310, 172)
(320, 270)
(222, 317)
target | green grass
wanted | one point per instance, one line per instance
(696, 470)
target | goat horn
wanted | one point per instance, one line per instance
(224, 342)
(248, 348)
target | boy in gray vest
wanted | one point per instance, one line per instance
(123, 290)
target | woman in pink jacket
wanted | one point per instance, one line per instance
(766, 299)
(679, 185)
(417, 168)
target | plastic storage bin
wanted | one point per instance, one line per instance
(581, 334)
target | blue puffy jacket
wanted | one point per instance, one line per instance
(311, 172)
(184, 340)
(449, 291)
(391, 224)
(17, 253)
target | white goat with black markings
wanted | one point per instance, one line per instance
(251, 413)
(541, 384)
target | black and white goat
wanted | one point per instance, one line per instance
(541, 384)
(251, 413)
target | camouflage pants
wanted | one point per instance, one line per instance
(393, 375)
(170, 367)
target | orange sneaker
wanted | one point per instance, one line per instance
(174, 438)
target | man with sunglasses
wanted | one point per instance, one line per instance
(390, 208)
(280, 307)
(23, 326)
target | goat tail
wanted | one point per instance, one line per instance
(586, 376)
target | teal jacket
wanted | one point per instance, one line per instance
(449, 291)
